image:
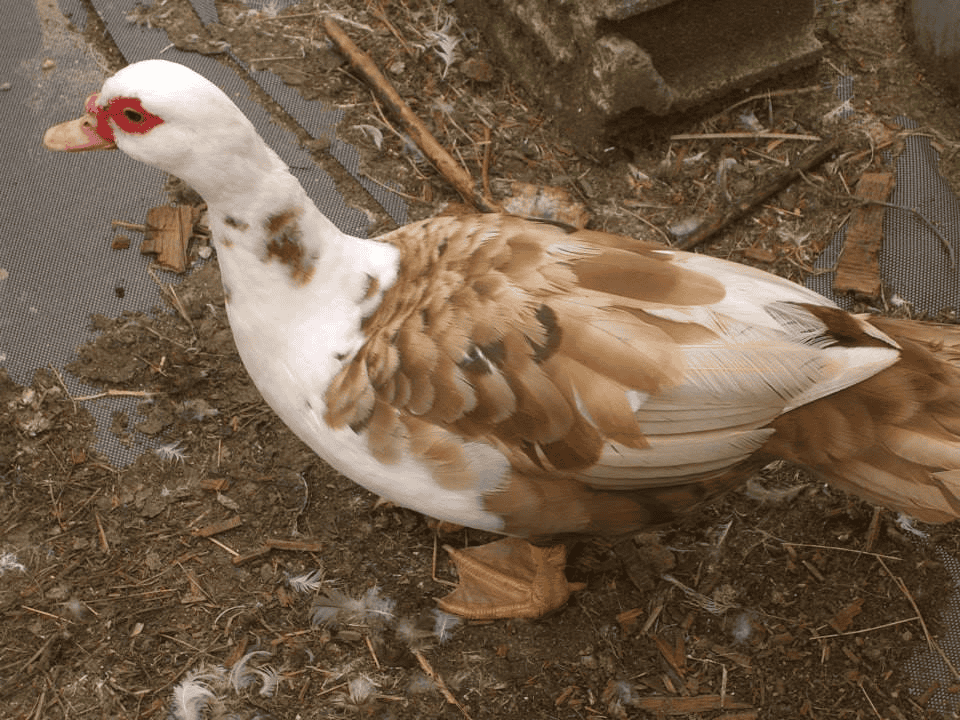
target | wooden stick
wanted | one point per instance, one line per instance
(745, 136)
(712, 225)
(445, 164)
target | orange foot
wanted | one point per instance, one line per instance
(507, 579)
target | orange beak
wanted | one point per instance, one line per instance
(80, 134)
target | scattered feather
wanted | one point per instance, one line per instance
(420, 684)
(726, 164)
(269, 680)
(774, 496)
(446, 108)
(709, 604)
(308, 582)
(444, 44)
(174, 451)
(374, 133)
(843, 110)
(410, 148)
(412, 633)
(335, 608)
(791, 235)
(683, 228)
(443, 624)
(750, 122)
(194, 698)
(618, 695)
(742, 629)
(197, 410)
(361, 689)
(898, 301)
(242, 675)
(228, 502)
(905, 522)
(638, 176)
(8, 561)
(76, 609)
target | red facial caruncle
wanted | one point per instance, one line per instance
(127, 113)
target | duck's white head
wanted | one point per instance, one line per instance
(167, 116)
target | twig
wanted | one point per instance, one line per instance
(930, 641)
(841, 549)
(444, 690)
(223, 547)
(778, 183)
(59, 377)
(171, 297)
(775, 93)
(373, 653)
(745, 136)
(380, 14)
(139, 227)
(485, 167)
(866, 630)
(104, 545)
(46, 614)
(875, 711)
(445, 164)
(651, 225)
(116, 393)
(386, 187)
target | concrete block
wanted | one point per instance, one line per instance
(934, 27)
(593, 61)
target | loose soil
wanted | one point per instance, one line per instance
(121, 582)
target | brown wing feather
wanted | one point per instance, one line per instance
(479, 335)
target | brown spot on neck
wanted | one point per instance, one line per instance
(285, 244)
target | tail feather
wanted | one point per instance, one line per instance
(907, 418)
(901, 486)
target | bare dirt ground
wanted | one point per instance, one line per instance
(119, 584)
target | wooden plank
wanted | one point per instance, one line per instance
(858, 271)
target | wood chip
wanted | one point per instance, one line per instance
(168, 233)
(673, 653)
(253, 555)
(218, 484)
(858, 270)
(842, 621)
(219, 527)
(628, 619)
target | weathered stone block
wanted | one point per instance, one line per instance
(592, 61)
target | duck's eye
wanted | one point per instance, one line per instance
(132, 115)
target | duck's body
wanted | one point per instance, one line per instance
(520, 377)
